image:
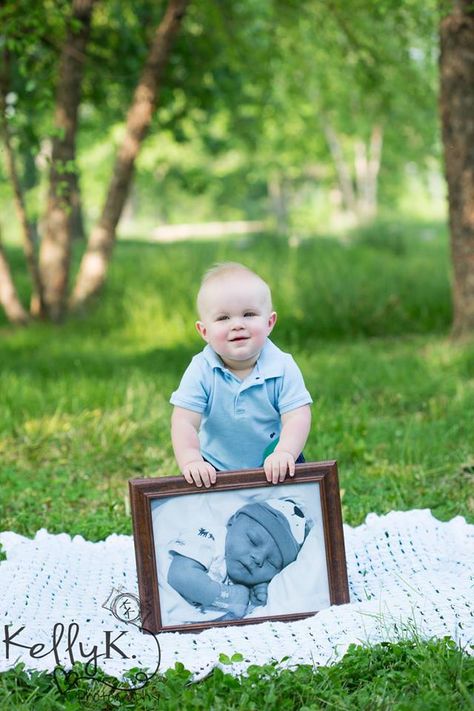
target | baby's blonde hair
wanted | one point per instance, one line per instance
(222, 269)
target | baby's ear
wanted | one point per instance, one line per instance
(201, 329)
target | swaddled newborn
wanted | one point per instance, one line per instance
(229, 567)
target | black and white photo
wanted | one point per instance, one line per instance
(241, 552)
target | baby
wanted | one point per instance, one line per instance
(228, 568)
(242, 402)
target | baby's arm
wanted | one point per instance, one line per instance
(191, 580)
(293, 436)
(184, 435)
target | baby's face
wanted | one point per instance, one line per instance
(236, 317)
(251, 554)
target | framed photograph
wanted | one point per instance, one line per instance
(241, 552)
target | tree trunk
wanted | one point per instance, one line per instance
(342, 169)
(278, 194)
(29, 179)
(76, 219)
(367, 165)
(375, 159)
(457, 119)
(20, 206)
(93, 268)
(8, 294)
(55, 251)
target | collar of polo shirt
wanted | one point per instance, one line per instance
(270, 362)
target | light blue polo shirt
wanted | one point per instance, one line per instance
(240, 418)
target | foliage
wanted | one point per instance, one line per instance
(243, 99)
(328, 62)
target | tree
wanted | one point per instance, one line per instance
(292, 108)
(337, 94)
(95, 261)
(55, 251)
(8, 294)
(23, 28)
(26, 227)
(457, 112)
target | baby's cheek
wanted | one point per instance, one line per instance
(267, 575)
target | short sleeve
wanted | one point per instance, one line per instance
(293, 392)
(197, 542)
(193, 390)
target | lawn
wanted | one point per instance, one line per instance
(84, 407)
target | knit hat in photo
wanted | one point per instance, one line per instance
(285, 522)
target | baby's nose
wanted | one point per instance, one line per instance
(258, 557)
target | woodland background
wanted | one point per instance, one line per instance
(339, 137)
(300, 116)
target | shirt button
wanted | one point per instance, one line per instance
(240, 411)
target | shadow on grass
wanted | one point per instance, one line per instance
(106, 365)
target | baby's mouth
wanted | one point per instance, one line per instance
(239, 338)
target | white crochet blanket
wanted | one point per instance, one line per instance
(409, 575)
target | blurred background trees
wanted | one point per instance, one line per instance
(309, 116)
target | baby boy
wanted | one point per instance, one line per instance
(228, 568)
(242, 402)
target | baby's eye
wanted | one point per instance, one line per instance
(222, 318)
(250, 313)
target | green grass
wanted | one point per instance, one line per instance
(409, 676)
(84, 407)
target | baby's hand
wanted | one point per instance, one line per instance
(239, 599)
(234, 599)
(259, 594)
(199, 473)
(277, 464)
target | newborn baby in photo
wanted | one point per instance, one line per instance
(228, 568)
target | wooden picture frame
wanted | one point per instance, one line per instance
(169, 509)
